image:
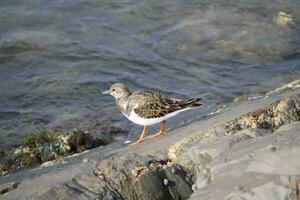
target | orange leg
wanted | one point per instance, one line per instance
(161, 130)
(141, 139)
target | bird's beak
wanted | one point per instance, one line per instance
(106, 92)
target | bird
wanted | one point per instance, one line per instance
(146, 108)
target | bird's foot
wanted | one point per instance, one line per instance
(156, 134)
(137, 142)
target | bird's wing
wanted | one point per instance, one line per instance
(155, 105)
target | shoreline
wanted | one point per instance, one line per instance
(44, 148)
(185, 163)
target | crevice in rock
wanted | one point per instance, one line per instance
(294, 183)
(83, 188)
(106, 189)
(245, 127)
(9, 187)
(145, 177)
(75, 190)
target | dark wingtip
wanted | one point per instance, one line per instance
(198, 99)
(196, 104)
(190, 103)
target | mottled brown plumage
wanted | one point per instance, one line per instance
(155, 105)
(147, 108)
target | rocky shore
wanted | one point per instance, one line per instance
(250, 151)
(39, 148)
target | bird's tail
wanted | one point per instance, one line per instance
(190, 103)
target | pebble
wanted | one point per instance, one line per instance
(166, 182)
(101, 177)
(241, 188)
(251, 154)
(126, 142)
(273, 148)
(134, 173)
(194, 187)
(173, 170)
(97, 172)
(85, 160)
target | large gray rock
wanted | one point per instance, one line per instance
(137, 176)
(248, 152)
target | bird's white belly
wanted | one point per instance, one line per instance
(150, 121)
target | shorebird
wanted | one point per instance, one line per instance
(147, 107)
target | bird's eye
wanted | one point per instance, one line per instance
(113, 90)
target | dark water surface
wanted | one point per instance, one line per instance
(57, 56)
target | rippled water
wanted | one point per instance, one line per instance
(57, 56)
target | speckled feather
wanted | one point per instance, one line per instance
(154, 105)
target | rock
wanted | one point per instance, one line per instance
(194, 187)
(42, 147)
(207, 166)
(144, 179)
(135, 176)
(47, 154)
(268, 191)
(173, 170)
(38, 139)
(284, 19)
(8, 187)
(281, 162)
(97, 188)
(65, 193)
(78, 141)
(112, 133)
(271, 118)
(166, 182)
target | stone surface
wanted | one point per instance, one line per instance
(137, 176)
(250, 151)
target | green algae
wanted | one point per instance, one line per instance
(38, 139)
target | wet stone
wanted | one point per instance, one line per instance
(41, 147)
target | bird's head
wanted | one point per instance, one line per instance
(117, 90)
